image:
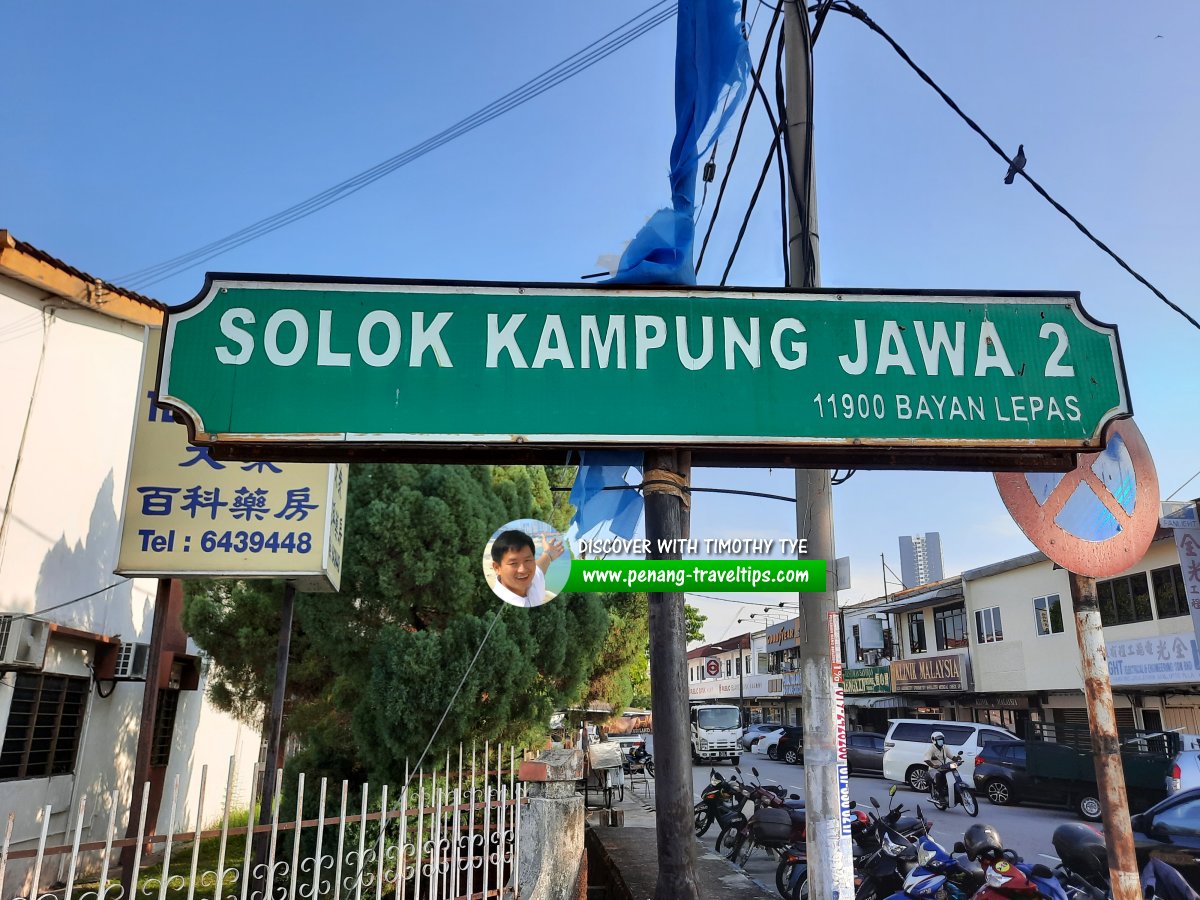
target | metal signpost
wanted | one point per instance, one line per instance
(1096, 521)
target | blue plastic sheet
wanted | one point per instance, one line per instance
(616, 512)
(712, 62)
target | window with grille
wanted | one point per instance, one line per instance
(1169, 595)
(987, 625)
(164, 727)
(45, 719)
(916, 633)
(950, 626)
(1047, 614)
(1124, 600)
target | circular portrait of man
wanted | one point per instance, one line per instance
(526, 562)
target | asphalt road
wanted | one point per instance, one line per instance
(1026, 829)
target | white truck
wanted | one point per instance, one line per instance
(715, 731)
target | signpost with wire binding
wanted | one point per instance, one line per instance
(305, 368)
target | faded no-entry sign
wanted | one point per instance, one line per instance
(329, 368)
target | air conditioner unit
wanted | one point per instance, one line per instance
(133, 662)
(23, 642)
(871, 657)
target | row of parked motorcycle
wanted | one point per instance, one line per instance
(895, 856)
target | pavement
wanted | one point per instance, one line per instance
(632, 849)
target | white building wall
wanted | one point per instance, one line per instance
(1027, 661)
(68, 443)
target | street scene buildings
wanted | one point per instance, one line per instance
(996, 644)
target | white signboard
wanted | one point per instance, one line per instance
(1165, 659)
(1187, 542)
(189, 516)
(726, 689)
(1178, 515)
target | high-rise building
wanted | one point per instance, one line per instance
(921, 559)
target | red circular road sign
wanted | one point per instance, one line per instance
(1099, 518)
(713, 667)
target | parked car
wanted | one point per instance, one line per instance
(1185, 772)
(908, 739)
(752, 732)
(789, 746)
(1037, 771)
(1004, 776)
(765, 743)
(864, 752)
(1170, 831)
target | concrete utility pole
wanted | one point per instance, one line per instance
(667, 478)
(830, 864)
(1106, 745)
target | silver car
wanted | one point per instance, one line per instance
(1185, 772)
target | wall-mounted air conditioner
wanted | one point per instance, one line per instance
(133, 662)
(23, 642)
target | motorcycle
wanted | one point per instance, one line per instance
(791, 875)
(912, 864)
(774, 825)
(957, 790)
(887, 844)
(1011, 878)
(639, 754)
(1007, 875)
(1083, 861)
(720, 802)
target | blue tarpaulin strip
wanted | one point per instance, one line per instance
(712, 61)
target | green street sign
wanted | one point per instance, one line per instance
(298, 367)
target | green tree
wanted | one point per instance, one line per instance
(695, 623)
(374, 667)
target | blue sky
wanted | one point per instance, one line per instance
(137, 131)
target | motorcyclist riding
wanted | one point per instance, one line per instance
(936, 759)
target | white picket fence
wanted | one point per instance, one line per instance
(444, 835)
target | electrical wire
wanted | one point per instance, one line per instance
(1185, 484)
(41, 612)
(850, 9)
(599, 49)
(737, 143)
(762, 177)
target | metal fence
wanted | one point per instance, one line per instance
(444, 835)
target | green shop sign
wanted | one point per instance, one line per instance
(329, 368)
(867, 680)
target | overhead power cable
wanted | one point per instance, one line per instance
(583, 59)
(850, 9)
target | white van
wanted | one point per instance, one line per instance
(908, 739)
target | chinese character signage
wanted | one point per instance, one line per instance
(868, 680)
(1164, 659)
(188, 515)
(1187, 542)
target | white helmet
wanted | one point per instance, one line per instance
(938, 738)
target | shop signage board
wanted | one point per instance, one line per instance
(1161, 659)
(727, 689)
(932, 674)
(188, 515)
(793, 684)
(868, 680)
(1187, 543)
(333, 367)
(783, 635)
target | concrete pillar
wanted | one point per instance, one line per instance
(552, 863)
